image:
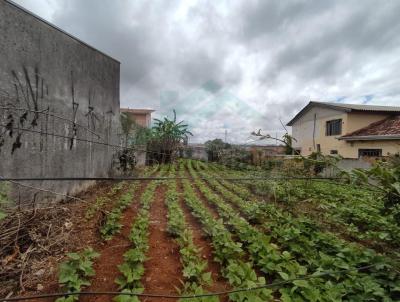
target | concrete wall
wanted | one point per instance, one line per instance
(73, 86)
(347, 164)
(309, 133)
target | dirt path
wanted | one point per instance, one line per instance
(111, 254)
(201, 240)
(163, 270)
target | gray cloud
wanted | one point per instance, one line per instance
(238, 66)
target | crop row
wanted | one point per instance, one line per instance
(361, 211)
(357, 210)
(102, 200)
(239, 273)
(112, 223)
(206, 170)
(277, 264)
(195, 273)
(132, 269)
(302, 238)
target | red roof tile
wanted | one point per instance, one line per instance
(388, 126)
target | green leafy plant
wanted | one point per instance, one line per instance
(227, 252)
(74, 272)
(297, 239)
(112, 223)
(195, 273)
(132, 269)
(166, 136)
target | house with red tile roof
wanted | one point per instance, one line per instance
(349, 130)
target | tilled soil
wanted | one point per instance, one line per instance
(80, 232)
(163, 270)
(203, 242)
(111, 254)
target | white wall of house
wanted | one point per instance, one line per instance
(310, 131)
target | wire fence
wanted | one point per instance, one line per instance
(46, 112)
(184, 297)
(7, 127)
(163, 178)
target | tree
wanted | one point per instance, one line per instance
(288, 141)
(214, 148)
(166, 136)
(127, 126)
(126, 156)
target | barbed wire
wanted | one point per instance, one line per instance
(168, 296)
(85, 140)
(161, 178)
(54, 115)
(41, 189)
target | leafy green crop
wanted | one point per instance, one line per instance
(194, 271)
(74, 272)
(132, 269)
(227, 252)
(112, 224)
(308, 250)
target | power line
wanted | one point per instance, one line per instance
(167, 296)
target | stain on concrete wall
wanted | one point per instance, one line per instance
(57, 97)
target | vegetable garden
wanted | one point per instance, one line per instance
(198, 233)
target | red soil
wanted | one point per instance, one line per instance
(84, 233)
(201, 240)
(111, 255)
(163, 270)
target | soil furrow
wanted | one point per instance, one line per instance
(111, 254)
(201, 240)
(163, 270)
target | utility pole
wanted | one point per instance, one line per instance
(226, 136)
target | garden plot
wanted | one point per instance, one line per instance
(200, 233)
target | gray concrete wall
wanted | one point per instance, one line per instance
(347, 164)
(73, 86)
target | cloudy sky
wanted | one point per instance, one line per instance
(237, 66)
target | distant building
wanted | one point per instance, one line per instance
(349, 130)
(265, 151)
(142, 117)
(198, 151)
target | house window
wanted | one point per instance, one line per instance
(334, 127)
(334, 152)
(369, 152)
